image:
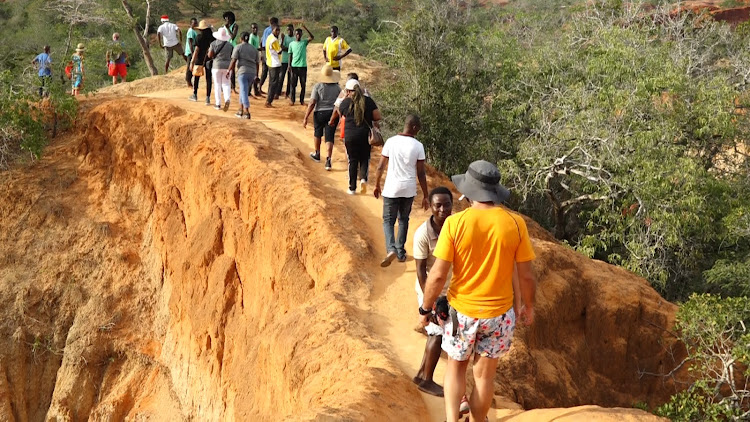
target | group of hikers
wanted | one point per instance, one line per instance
(474, 276)
(229, 56)
(116, 58)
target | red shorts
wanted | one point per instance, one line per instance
(118, 69)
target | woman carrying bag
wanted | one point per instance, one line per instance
(200, 64)
(362, 116)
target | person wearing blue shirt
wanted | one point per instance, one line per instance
(44, 63)
(264, 74)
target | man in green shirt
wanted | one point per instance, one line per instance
(192, 39)
(255, 42)
(298, 64)
(285, 41)
(231, 25)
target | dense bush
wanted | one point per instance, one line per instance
(26, 121)
(619, 131)
(716, 333)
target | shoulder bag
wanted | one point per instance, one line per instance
(376, 138)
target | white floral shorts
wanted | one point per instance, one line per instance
(490, 337)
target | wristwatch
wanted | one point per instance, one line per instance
(424, 311)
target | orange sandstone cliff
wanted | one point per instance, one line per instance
(163, 264)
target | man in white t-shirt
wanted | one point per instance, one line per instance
(404, 156)
(170, 39)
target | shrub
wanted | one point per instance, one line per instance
(26, 122)
(716, 333)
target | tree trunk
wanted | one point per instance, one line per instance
(148, 18)
(141, 40)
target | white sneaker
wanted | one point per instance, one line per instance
(350, 192)
(363, 186)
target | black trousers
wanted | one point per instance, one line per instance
(189, 71)
(274, 83)
(299, 74)
(284, 70)
(264, 72)
(358, 155)
(196, 80)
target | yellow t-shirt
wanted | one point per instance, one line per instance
(333, 47)
(483, 246)
(273, 51)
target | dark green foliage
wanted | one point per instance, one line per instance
(451, 70)
(619, 132)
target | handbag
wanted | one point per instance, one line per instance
(199, 70)
(376, 138)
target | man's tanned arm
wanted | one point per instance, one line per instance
(527, 282)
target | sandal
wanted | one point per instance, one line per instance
(238, 114)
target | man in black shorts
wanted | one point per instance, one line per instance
(322, 101)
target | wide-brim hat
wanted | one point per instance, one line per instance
(203, 25)
(328, 75)
(222, 34)
(481, 183)
(80, 48)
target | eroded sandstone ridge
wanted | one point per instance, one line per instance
(163, 264)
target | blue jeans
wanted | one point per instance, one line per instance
(246, 81)
(393, 208)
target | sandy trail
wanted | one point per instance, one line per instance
(391, 311)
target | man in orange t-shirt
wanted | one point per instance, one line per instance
(483, 243)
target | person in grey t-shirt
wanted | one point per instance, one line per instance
(221, 53)
(323, 97)
(245, 64)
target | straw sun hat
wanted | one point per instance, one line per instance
(328, 75)
(80, 48)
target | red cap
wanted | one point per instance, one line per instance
(164, 17)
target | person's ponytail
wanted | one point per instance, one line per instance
(358, 99)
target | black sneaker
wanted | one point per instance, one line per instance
(328, 164)
(208, 100)
(193, 98)
(315, 156)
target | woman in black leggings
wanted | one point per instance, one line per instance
(361, 114)
(205, 38)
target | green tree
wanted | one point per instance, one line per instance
(621, 133)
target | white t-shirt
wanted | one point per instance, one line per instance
(168, 31)
(403, 152)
